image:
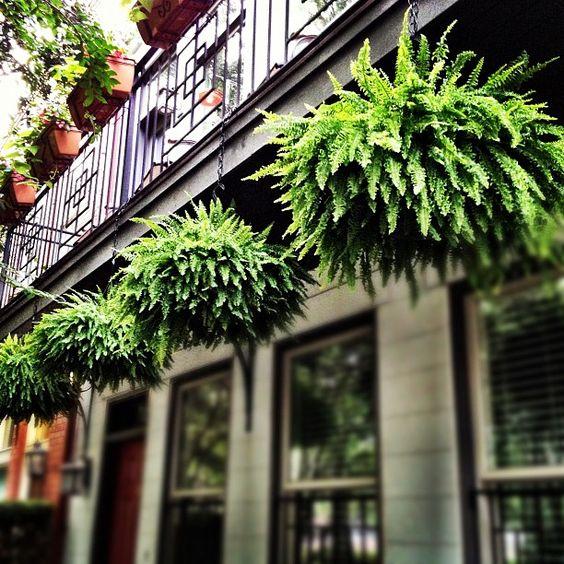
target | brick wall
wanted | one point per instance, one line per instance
(15, 466)
(57, 451)
(58, 445)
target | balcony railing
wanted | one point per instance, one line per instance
(340, 527)
(179, 96)
(526, 523)
(194, 531)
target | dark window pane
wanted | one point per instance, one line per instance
(128, 414)
(339, 527)
(203, 421)
(194, 532)
(525, 356)
(332, 411)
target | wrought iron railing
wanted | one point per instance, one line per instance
(526, 523)
(340, 527)
(180, 95)
(193, 531)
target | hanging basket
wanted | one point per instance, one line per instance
(89, 338)
(209, 280)
(100, 111)
(168, 20)
(439, 165)
(59, 145)
(25, 391)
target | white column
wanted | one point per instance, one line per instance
(420, 495)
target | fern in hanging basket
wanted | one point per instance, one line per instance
(92, 338)
(25, 391)
(437, 166)
(210, 279)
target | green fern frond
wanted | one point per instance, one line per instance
(438, 167)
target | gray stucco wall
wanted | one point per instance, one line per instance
(420, 501)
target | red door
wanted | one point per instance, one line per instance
(124, 502)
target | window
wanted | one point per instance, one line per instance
(3, 481)
(6, 434)
(328, 497)
(518, 377)
(520, 380)
(199, 470)
(36, 432)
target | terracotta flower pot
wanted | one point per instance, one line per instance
(168, 20)
(21, 192)
(101, 112)
(19, 196)
(59, 145)
(211, 98)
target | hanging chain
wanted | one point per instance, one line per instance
(115, 240)
(221, 153)
(413, 17)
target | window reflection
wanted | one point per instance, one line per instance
(196, 506)
(332, 411)
(328, 505)
(203, 435)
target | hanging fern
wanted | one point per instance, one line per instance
(210, 279)
(437, 165)
(91, 337)
(26, 391)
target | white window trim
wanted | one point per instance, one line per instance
(287, 484)
(477, 360)
(179, 493)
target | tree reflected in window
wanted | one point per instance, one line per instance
(332, 411)
(328, 504)
(203, 436)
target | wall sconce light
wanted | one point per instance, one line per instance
(37, 461)
(76, 476)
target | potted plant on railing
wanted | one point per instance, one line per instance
(162, 23)
(17, 187)
(210, 97)
(100, 89)
(59, 145)
(56, 140)
(17, 197)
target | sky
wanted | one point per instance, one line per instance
(113, 18)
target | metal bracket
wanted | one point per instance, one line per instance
(246, 359)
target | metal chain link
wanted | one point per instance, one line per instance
(413, 17)
(221, 152)
(115, 239)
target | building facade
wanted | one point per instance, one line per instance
(24, 481)
(381, 430)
